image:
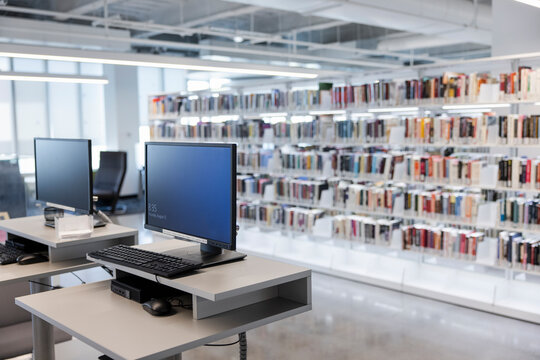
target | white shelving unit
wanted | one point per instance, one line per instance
(489, 288)
(481, 284)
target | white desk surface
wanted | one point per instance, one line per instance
(224, 281)
(14, 272)
(121, 329)
(33, 228)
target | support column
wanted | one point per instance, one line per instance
(122, 119)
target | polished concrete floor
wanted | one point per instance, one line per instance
(350, 320)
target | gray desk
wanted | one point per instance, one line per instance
(64, 256)
(228, 299)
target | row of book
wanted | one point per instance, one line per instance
(450, 203)
(518, 251)
(454, 204)
(284, 217)
(442, 130)
(465, 169)
(520, 211)
(451, 87)
(364, 229)
(443, 241)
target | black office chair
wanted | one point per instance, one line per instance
(109, 179)
(12, 190)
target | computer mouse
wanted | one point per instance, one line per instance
(157, 307)
(27, 259)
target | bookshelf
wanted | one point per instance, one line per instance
(393, 119)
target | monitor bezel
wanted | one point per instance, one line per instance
(191, 237)
(90, 176)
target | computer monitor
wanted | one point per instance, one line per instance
(64, 173)
(191, 194)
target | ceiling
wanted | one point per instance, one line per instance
(346, 35)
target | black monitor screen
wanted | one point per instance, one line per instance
(190, 190)
(64, 173)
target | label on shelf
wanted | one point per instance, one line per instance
(397, 135)
(489, 176)
(487, 214)
(269, 193)
(326, 198)
(323, 227)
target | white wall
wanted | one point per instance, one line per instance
(516, 28)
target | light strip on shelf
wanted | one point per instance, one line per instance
(479, 106)
(468, 111)
(535, 3)
(326, 112)
(277, 114)
(403, 109)
(130, 59)
(361, 115)
(537, 103)
(73, 79)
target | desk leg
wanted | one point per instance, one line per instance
(42, 331)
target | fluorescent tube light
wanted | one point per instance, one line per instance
(73, 79)
(326, 112)
(537, 103)
(535, 3)
(403, 109)
(478, 106)
(361, 115)
(130, 59)
(468, 111)
(276, 114)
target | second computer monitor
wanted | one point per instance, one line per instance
(64, 173)
(191, 192)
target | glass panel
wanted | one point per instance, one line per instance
(91, 69)
(31, 114)
(93, 116)
(4, 64)
(7, 143)
(64, 110)
(62, 67)
(29, 65)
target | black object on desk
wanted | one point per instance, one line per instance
(157, 307)
(27, 259)
(139, 289)
(9, 255)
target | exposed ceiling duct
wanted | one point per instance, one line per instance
(458, 19)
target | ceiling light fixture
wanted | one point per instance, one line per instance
(129, 59)
(238, 39)
(73, 79)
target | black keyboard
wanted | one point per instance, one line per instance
(147, 261)
(9, 255)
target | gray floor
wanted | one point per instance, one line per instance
(356, 321)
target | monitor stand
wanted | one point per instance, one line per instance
(212, 255)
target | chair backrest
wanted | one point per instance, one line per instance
(12, 190)
(112, 169)
(11, 313)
